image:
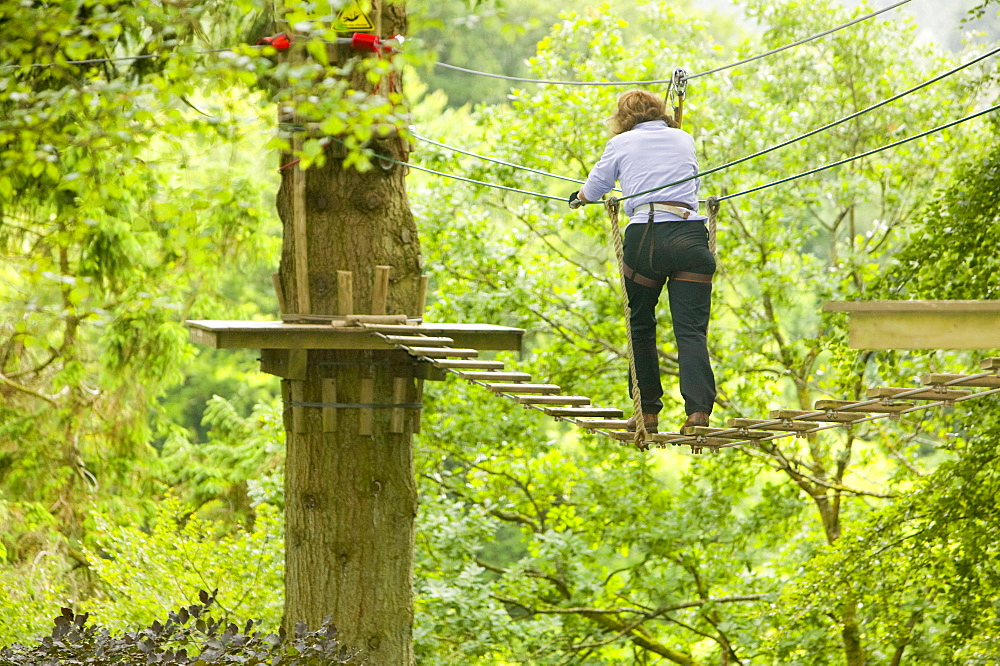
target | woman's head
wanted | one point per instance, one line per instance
(638, 106)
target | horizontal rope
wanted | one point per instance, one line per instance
(661, 81)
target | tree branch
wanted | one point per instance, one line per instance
(25, 389)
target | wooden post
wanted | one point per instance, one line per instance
(345, 292)
(297, 391)
(329, 397)
(397, 421)
(366, 420)
(300, 238)
(279, 292)
(380, 294)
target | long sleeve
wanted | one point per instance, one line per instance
(603, 176)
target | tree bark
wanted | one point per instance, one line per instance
(351, 497)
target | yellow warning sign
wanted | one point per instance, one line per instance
(353, 19)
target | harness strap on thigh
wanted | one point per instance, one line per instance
(684, 276)
(642, 279)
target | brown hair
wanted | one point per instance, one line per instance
(639, 106)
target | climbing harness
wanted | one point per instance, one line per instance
(684, 211)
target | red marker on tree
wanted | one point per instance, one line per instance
(281, 41)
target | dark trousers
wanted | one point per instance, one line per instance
(669, 247)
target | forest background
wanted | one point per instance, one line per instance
(136, 468)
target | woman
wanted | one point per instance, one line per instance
(666, 242)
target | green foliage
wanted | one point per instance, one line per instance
(924, 565)
(34, 589)
(192, 630)
(950, 254)
(144, 570)
(221, 475)
(125, 183)
(492, 36)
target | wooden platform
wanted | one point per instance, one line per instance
(921, 324)
(224, 334)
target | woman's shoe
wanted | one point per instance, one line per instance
(651, 421)
(696, 419)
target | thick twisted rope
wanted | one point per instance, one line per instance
(613, 206)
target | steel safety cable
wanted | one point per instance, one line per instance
(488, 158)
(472, 180)
(830, 125)
(861, 155)
(410, 165)
(661, 81)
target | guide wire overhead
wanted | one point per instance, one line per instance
(662, 81)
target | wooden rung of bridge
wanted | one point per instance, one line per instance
(763, 424)
(825, 417)
(521, 388)
(603, 424)
(961, 380)
(424, 341)
(991, 363)
(929, 394)
(675, 438)
(443, 352)
(471, 364)
(588, 412)
(724, 433)
(577, 400)
(497, 376)
(852, 406)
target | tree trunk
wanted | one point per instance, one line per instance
(351, 497)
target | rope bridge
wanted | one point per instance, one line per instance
(936, 390)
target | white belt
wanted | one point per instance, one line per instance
(676, 210)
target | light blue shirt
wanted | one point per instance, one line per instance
(649, 155)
